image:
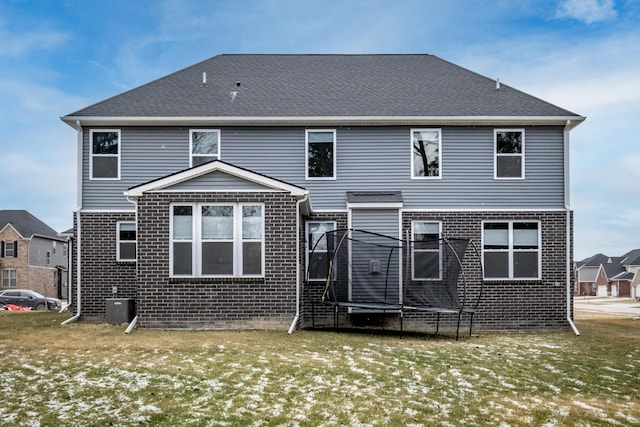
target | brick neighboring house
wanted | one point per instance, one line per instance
(202, 193)
(32, 255)
(601, 275)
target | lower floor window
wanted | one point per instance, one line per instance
(317, 249)
(427, 252)
(217, 240)
(9, 278)
(511, 250)
(126, 241)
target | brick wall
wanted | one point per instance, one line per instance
(504, 305)
(44, 280)
(216, 303)
(99, 270)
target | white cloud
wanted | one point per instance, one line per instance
(587, 11)
(25, 43)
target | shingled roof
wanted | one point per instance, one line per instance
(26, 224)
(339, 86)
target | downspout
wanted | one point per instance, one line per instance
(298, 220)
(79, 234)
(69, 276)
(568, 225)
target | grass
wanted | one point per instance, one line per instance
(95, 375)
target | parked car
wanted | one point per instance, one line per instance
(28, 298)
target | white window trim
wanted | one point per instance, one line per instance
(8, 283)
(309, 248)
(196, 241)
(306, 156)
(495, 156)
(135, 242)
(217, 155)
(11, 245)
(511, 251)
(413, 175)
(91, 155)
(413, 250)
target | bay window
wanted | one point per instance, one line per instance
(217, 240)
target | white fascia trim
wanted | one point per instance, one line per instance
(107, 210)
(329, 211)
(220, 190)
(322, 120)
(505, 210)
(215, 166)
(374, 205)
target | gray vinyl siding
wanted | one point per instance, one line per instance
(367, 158)
(217, 181)
(382, 287)
(38, 248)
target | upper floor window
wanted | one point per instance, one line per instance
(427, 251)
(511, 250)
(318, 249)
(426, 147)
(205, 146)
(321, 154)
(9, 278)
(54, 247)
(217, 240)
(48, 257)
(509, 153)
(126, 241)
(9, 249)
(105, 154)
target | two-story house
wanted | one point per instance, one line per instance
(200, 194)
(602, 275)
(32, 255)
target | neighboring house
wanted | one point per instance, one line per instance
(32, 255)
(600, 275)
(202, 193)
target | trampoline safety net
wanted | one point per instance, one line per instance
(370, 271)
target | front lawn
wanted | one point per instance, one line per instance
(88, 374)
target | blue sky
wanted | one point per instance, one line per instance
(583, 55)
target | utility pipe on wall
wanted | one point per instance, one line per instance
(79, 232)
(568, 225)
(298, 220)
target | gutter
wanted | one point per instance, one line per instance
(79, 234)
(324, 120)
(299, 203)
(567, 207)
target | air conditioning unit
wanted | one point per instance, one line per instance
(120, 310)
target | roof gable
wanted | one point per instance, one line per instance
(26, 224)
(239, 87)
(177, 181)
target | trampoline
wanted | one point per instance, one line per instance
(364, 272)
